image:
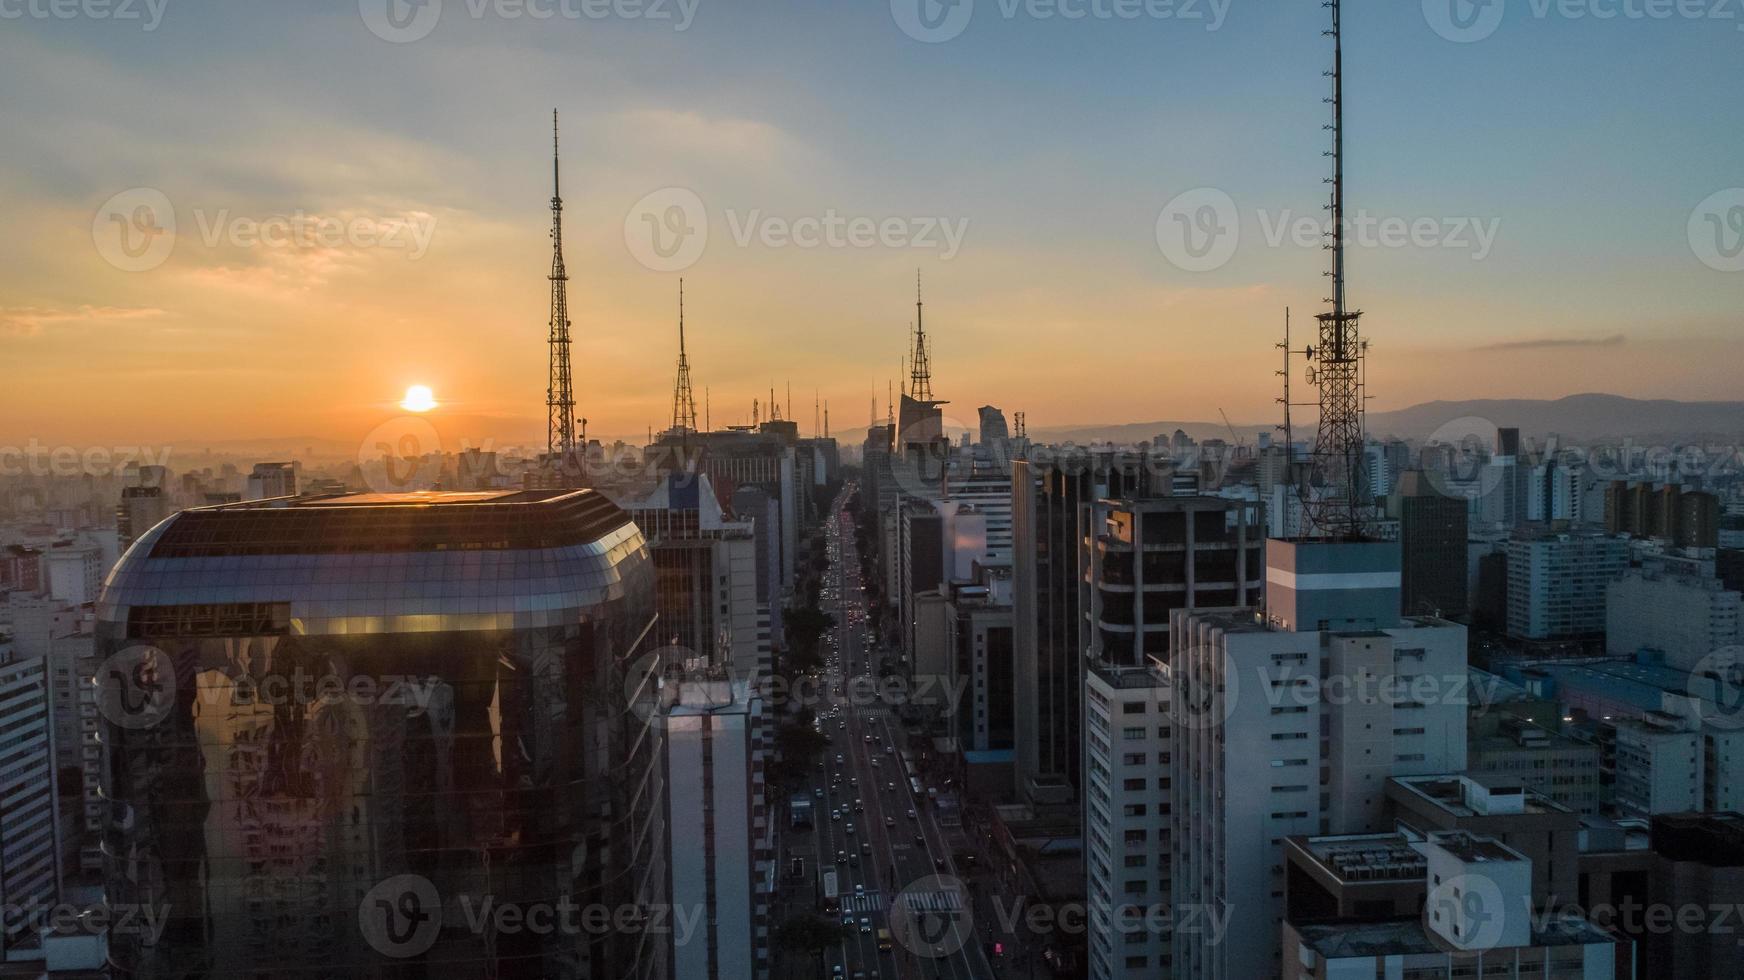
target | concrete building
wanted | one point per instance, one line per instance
(1557, 582)
(723, 840)
(1562, 769)
(705, 571)
(1127, 820)
(1698, 864)
(1352, 899)
(1684, 616)
(1149, 556)
(1290, 721)
(1505, 809)
(1433, 531)
(75, 572)
(1050, 518)
(269, 480)
(1659, 766)
(140, 510)
(30, 860)
(498, 735)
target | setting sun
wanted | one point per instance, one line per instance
(419, 398)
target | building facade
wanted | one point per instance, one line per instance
(332, 721)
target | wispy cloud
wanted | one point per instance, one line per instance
(31, 321)
(1558, 343)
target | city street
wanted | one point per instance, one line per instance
(871, 827)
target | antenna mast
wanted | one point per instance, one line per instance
(921, 364)
(559, 392)
(683, 400)
(1335, 506)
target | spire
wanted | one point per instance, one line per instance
(559, 390)
(683, 400)
(1335, 504)
(921, 368)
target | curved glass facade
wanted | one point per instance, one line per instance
(328, 761)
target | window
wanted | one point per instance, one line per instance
(1132, 734)
(1133, 759)
(1133, 708)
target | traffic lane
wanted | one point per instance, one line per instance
(936, 863)
(884, 847)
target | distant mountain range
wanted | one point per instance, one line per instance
(1582, 418)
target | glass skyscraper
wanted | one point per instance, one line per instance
(343, 733)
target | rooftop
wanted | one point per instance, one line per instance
(361, 523)
(1340, 941)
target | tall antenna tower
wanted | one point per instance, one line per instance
(559, 391)
(683, 401)
(920, 365)
(1335, 506)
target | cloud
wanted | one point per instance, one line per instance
(720, 136)
(30, 321)
(1558, 343)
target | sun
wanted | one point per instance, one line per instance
(419, 398)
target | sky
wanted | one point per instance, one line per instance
(252, 219)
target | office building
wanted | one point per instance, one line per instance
(1127, 820)
(30, 863)
(269, 480)
(1050, 519)
(705, 571)
(1433, 531)
(1354, 904)
(486, 726)
(1683, 615)
(1147, 556)
(964, 652)
(1557, 582)
(1564, 770)
(723, 854)
(140, 510)
(1290, 722)
(1698, 864)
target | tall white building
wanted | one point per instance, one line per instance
(30, 868)
(1127, 820)
(1290, 722)
(722, 856)
(1557, 582)
(1684, 616)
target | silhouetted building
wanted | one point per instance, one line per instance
(1433, 533)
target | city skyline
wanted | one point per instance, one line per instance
(1058, 249)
